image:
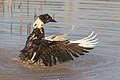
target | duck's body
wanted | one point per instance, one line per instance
(28, 49)
(52, 50)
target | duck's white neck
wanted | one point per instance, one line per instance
(38, 23)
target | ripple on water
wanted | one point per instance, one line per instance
(88, 65)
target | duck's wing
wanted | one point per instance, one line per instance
(57, 38)
(51, 52)
(87, 42)
(60, 37)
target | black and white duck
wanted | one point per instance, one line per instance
(53, 49)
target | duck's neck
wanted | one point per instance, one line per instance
(38, 23)
(42, 32)
(40, 26)
(39, 32)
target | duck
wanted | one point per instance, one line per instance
(53, 50)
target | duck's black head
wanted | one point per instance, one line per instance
(42, 19)
(45, 18)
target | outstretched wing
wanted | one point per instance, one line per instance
(60, 37)
(52, 51)
(88, 42)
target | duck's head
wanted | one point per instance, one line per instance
(42, 19)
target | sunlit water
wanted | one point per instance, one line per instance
(102, 16)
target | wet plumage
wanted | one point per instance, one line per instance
(50, 50)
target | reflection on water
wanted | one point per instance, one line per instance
(103, 16)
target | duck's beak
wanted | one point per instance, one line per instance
(52, 20)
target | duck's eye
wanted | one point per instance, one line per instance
(47, 17)
(35, 24)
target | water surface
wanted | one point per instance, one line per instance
(102, 16)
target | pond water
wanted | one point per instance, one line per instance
(102, 16)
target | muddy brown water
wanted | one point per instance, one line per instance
(102, 16)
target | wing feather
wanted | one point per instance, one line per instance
(52, 51)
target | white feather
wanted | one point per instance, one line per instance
(34, 54)
(60, 37)
(89, 35)
(88, 42)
